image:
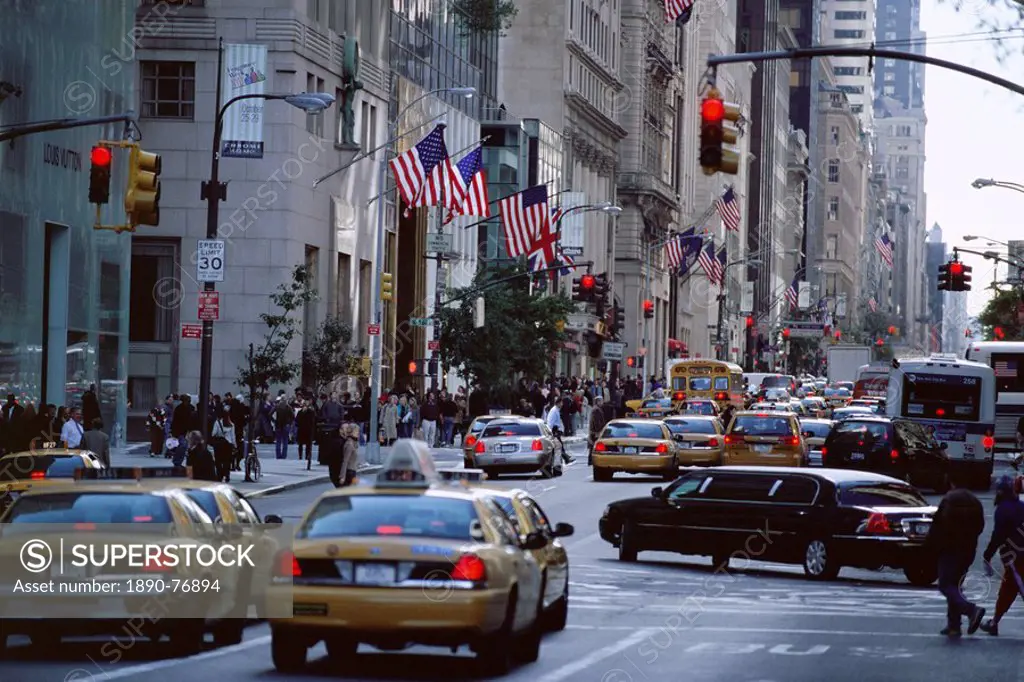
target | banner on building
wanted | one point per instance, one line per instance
(571, 225)
(245, 73)
(747, 298)
(803, 300)
(841, 305)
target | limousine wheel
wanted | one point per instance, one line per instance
(817, 562)
(627, 544)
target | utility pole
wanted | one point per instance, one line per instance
(440, 258)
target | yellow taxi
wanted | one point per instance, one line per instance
(476, 427)
(410, 560)
(529, 519)
(656, 408)
(764, 438)
(23, 471)
(699, 439)
(125, 496)
(635, 446)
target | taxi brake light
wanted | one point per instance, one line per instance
(37, 475)
(824, 451)
(877, 524)
(470, 441)
(733, 440)
(791, 440)
(987, 442)
(661, 449)
(537, 445)
(712, 442)
(85, 526)
(286, 565)
(940, 412)
(469, 567)
(599, 447)
(721, 396)
(142, 519)
(389, 530)
(894, 455)
(480, 448)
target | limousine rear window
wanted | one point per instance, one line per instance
(881, 495)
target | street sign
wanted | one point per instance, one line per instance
(433, 345)
(373, 329)
(209, 306)
(438, 242)
(421, 321)
(612, 350)
(804, 330)
(210, 260)
(191, 331)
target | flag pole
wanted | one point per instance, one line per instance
(495, 201)
(464, 149)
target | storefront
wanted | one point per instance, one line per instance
(63, 286)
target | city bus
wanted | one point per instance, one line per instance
(1006, 358)
(871, 381)
(955, 400)
(700, 379)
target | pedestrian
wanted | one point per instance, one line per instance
(449, 411)
(155, 427)
(71, 434)
(350, 454)
(222, 434)
(97, 442)
(181, 420)
(283, 418)
(598, 420)
(429, 414)
(90, 406)
(306, 427)
(1007, 539)
(388, 421)
(199, 458)
(953, 540)
(554, 421)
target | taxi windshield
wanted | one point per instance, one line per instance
(398, 515)
(634, 430)
(24, 467)
(753, 425)
(206, 500)
(690, 425)
(89, 507)
(701, 408)
(511, 429)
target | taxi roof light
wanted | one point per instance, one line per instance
(409, 465)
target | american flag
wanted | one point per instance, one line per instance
(473, 181)
(526, 216)
(714, 267)
(675, 8)
(873, 304)
(682, 251)
(424, 174)
(729, 209)
(1006, 369)
(793, 293)
(884, 247)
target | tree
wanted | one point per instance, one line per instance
(268, 363)
(485, 16)
(1002, 311)
(520, 334)
(327, 356)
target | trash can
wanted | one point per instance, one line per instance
(327, 438)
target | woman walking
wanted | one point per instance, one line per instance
(223, 435)
(155, 426)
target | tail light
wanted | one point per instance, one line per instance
(661, 449)
(791, 440)
(480, 449)
(286, 565)
(824, 451)
(877, 524)
(678, 395)
(537, 445)
(471, 440)
(157, 564)
(894, 455)
(733, 440)
(37, 475)
(85, 526)
(988, 442)
(712, 442)
(721, 396)
(469, 567)
(599, 447)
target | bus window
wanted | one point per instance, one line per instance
(721, 383)
(700, 384)
(678, 383)
(942, 396)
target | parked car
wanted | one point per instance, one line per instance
(896, 447)
(823, 519)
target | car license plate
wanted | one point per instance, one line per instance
(375, 574)
(920, 528)
(630, 451)
(500, 460)
(509, 448)
(857, 457)
(685, 444)
(763, 447)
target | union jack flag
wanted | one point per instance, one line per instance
(729, 209)
(425, 175)
(1006, 369)
(884, 247)
(473, 187)
(676, 8)
(793, 293)
(873, 304)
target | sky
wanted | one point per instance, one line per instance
(973, 131)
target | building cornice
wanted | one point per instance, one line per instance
(592, 154)
(594, 116)
(598, 67)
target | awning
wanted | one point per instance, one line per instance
(676, 346)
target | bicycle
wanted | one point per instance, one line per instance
(253, 471)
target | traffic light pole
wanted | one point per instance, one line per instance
(440, 258)
(14, 132)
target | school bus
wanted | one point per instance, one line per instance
(701, 379)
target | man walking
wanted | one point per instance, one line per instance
(953, 539)
(598, 420)
(97, 442)
(1007, 537)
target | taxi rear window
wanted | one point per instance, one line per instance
(398, 515)
(626, 430)
(817, 430)
(79, 507)
(206, 500)
(657, 402)
(690, 426)
(22, 467)
(753, 425)
(511, 429)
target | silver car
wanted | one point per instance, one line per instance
(517, 446)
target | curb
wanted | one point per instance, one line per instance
(305, 483)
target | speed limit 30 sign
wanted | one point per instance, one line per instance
(210, 260)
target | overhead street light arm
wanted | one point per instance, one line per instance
(15, 131)
(982, 182)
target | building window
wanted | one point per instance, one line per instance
(902, 173)
(314, 8)
(856, 108)
(902, 131)
(314, 123)
(889, 76)
(851, 89)
(834, 130)
(833, 208)
(155, 293)
(368, 126)
(833, 170)
(169, 90)
(851, 16)
(831, 247)
(889, 90)
(848, 33)
(849, 70)
(890, 35)
(889, 63)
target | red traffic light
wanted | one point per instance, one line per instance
(879, 342)
(100, 156)
(648, 306)
(998, 333)
(413, 367)
(587, 281)
(785, 333)
(892, 329)
(750, 322)
(956, 268)
(712, 110)
(631, 361)
(839, 334)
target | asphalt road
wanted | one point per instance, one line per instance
(663, 619)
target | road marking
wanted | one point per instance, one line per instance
(119, 673)
(695, 610)
(783, 631)
(579, 665)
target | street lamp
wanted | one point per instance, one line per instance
(720, 331)
(983, 182)
(214, 192)
(377, 341)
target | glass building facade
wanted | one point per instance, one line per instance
(64, 287)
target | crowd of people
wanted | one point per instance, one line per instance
(25, 428)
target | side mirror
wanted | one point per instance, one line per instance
(273, 520)
(563, 530)
(658, 493)
(534, 541)
(677, 437)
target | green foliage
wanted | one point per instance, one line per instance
(1001, 311)
(485, 16)
(327, 356)
(520, 333)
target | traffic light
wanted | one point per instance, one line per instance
(714, 133)
(945, 282)
(600, 295)
(432, 367)
(387, 290)
(418, 368)
(960, 276)
(595, 344)
(631, 361)
(583, 288)
(892, 330)
(414, 368)
(879, 342)
(648, 309)
(618, 319)
(99, 175)
(750, 322)
(142, 197)
(998, 333)
(785, 334)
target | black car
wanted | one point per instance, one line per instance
(823, 519)
(896, 447)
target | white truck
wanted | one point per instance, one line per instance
(844, 361)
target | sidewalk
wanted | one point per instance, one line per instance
(280, 475)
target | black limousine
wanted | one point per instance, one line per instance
(824, 519)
